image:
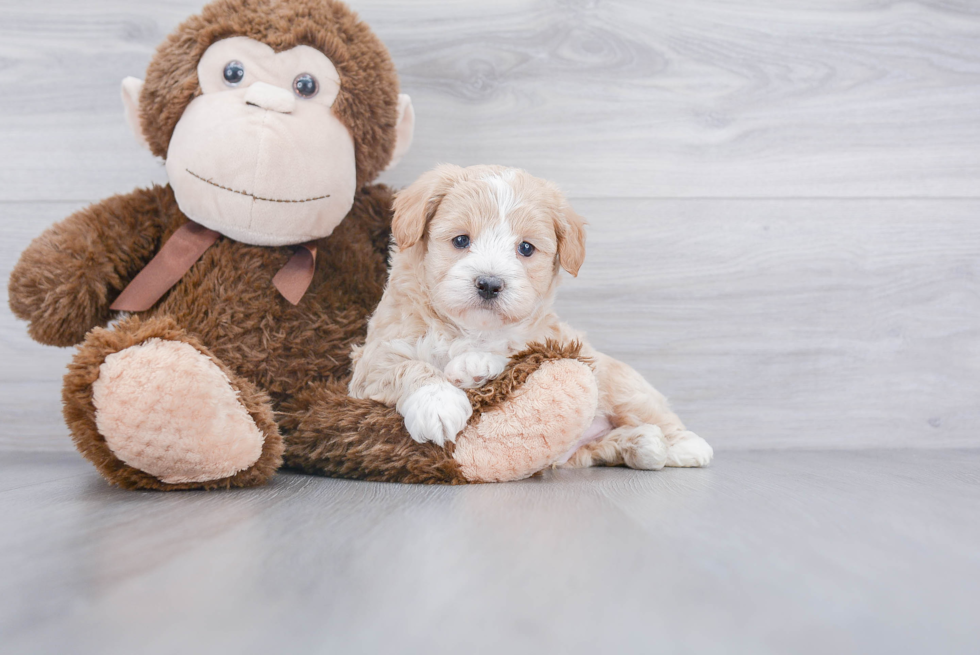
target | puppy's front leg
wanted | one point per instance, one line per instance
(434, 410)
(474, 369)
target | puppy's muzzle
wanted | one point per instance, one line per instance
(489, 286)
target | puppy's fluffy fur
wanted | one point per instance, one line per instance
(473, 276)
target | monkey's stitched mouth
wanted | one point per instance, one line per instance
(251, 195)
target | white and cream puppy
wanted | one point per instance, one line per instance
(474, 269)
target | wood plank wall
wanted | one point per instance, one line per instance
(784, 197)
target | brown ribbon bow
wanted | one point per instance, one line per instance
(187, 245)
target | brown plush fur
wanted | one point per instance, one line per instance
(226, 301)
(368, 98)
(289, 363)
(366, 442)
(66, 280)
(80, 413)
(333, 434)
(520, 368)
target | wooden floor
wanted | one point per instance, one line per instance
(766, 552)
(784, 209)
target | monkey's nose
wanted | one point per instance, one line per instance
(273, 98)
(489, 286)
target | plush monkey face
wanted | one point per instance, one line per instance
(259, 156)
(262, 152)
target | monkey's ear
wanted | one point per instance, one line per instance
(416, 205)
(131, 88)
(571, 240)
(404, 131)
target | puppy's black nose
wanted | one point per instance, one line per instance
(488, 286)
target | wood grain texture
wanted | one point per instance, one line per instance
(633, 98)
(784, 238)
(779, 323)
(803, 552)
(793, 323)
(769, 323)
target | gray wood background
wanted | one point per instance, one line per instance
(783, 196)
(785, 238)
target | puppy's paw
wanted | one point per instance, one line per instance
(436, 412)
(645, 448)
(689, 450)
(472, 370)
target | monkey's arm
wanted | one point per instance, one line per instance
(522, 422)
(66, 279)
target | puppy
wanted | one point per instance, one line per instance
(474, 269)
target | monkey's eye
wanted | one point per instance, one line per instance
(234, 73)
(525, 249)
(305, 85)
(462, 241)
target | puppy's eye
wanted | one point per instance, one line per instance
(525, 249)
(305, 85)
(234, 73)
(462, 241)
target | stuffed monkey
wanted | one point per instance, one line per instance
(238, 289)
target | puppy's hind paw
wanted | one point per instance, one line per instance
(645, 448)
(688, 450)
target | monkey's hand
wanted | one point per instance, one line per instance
(66, 279)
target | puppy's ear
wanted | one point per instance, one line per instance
(570, 229)
(416, 205)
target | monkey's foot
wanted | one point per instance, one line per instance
(166, 409)
(533, 428)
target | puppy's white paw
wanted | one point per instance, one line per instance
(689, 450)
(436, 412)
(472, 370)
(645, 448)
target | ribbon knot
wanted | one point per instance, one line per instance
(182, 250)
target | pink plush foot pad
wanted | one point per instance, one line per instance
(167, 409)
(542, 422)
